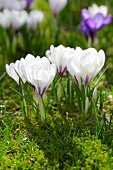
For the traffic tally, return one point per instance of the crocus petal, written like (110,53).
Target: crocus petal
(101,62)
(99,20)
(90,23)
(94,9)
(104,10)
(84,29)
(107,20)
(11,72)
(85,14)
(74,71)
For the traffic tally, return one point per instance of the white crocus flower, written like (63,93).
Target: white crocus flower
(86,64)
(34,18)
(38,72)
(43,77)
(43,74)
(25,65)
(5,18)
(59,56)
(19,18)
(94,9)
(57,5)
(13,71)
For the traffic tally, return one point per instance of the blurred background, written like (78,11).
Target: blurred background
(64,29)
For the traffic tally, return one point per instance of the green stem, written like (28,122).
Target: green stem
(24,101)
(35,98)
(59,92)
(41,108)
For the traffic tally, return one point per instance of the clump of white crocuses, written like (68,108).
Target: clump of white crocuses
(38,72)
(17,19)
(15,4)
(83,66)
(20,27)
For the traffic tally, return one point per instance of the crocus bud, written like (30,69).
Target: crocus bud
(57,6)
(34,18)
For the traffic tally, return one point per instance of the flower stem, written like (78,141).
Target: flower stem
(41,108)
(35,98)
(59,92)
(24,101)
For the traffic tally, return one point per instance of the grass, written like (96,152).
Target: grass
(63,141)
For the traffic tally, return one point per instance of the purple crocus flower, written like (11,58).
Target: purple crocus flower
(94,19)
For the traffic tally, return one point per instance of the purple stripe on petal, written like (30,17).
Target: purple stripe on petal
(55,12)
(66,71)
(39,91)
(86,81)
(76,80)
(60,71)
(43,91)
